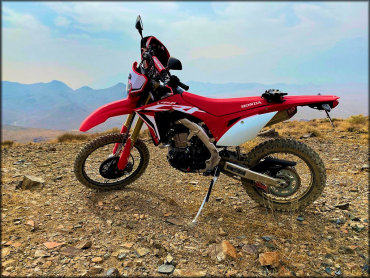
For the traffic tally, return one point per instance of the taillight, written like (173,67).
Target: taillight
(335,103)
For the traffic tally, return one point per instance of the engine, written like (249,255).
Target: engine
(187,155)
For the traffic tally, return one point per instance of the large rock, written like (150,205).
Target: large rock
(224,250)
(269,259)
(140,252)
(95,270)
(166,268)
(41,253)
(112,272)
(97,260)
(308,135)
(85,244)
(169,259)
(269,133)
(31,182)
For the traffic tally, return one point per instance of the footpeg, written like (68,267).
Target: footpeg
(163,146)
(206,198)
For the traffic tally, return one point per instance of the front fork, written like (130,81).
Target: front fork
(130,141)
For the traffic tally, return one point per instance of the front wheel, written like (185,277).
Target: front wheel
(96,168)
(304,182)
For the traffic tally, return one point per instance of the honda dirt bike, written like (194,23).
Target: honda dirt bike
(202,135)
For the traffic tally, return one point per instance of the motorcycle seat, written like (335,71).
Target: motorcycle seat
(223,106)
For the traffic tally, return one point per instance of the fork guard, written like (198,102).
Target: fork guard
(113,109)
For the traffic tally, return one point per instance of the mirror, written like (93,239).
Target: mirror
(139,25)
(174,64)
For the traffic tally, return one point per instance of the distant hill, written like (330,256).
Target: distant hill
(23,134)
(54,105)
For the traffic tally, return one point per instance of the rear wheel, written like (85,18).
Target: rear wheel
(304,182)
(96,168)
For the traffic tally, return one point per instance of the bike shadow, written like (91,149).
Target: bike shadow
(132,201)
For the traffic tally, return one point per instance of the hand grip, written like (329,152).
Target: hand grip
(182,85)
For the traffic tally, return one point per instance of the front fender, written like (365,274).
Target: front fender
(100,115)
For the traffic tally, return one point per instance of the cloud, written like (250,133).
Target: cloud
(26,22)
(215,51)
(31,53)
(61,21)
(231,41)
(96,17)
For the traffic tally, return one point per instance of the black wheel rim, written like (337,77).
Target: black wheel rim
(305,173)
(92,163)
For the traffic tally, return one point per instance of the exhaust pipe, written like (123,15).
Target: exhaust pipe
(252,175)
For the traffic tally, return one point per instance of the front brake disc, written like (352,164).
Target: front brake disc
(109,170)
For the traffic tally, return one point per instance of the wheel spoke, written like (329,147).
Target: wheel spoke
(304,181)
(97,158)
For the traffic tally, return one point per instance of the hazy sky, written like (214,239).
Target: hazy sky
(95,43)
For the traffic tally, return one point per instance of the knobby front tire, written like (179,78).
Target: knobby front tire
(99,144)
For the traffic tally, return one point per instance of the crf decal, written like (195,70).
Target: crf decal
(181,108)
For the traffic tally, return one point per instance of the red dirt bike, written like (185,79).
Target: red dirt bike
(202,135)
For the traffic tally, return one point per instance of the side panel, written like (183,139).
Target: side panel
(100,115)
(244,130)
(149,120)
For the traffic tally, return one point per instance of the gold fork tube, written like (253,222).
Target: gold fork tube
(136,131)
(129,120)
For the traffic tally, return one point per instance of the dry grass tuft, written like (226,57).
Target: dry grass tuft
(145,134)
(354,124)
(359,120)
(70,137)
(7,143)
(296,129)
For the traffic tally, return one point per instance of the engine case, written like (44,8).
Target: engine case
(187,156)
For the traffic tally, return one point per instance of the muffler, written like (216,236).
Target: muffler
(252,175)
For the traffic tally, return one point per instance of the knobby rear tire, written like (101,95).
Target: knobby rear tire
(299,149)
(86,150)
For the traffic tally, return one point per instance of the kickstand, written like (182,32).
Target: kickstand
(327,114)
(206,198)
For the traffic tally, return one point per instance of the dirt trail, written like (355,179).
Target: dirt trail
(150,217)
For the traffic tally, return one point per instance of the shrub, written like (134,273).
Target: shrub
(7,143)
(358,120)
(68,137)
(358,123)
(314,123)
(315,132)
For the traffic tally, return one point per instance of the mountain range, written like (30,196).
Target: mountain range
(55,105)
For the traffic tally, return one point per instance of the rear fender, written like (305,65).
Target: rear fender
(113,109)
(310,100)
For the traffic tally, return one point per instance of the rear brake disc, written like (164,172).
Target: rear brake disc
(292,183)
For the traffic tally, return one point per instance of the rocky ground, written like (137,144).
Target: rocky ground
(64,228)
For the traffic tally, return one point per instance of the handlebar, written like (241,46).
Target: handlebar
(163,71)
(182,85)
